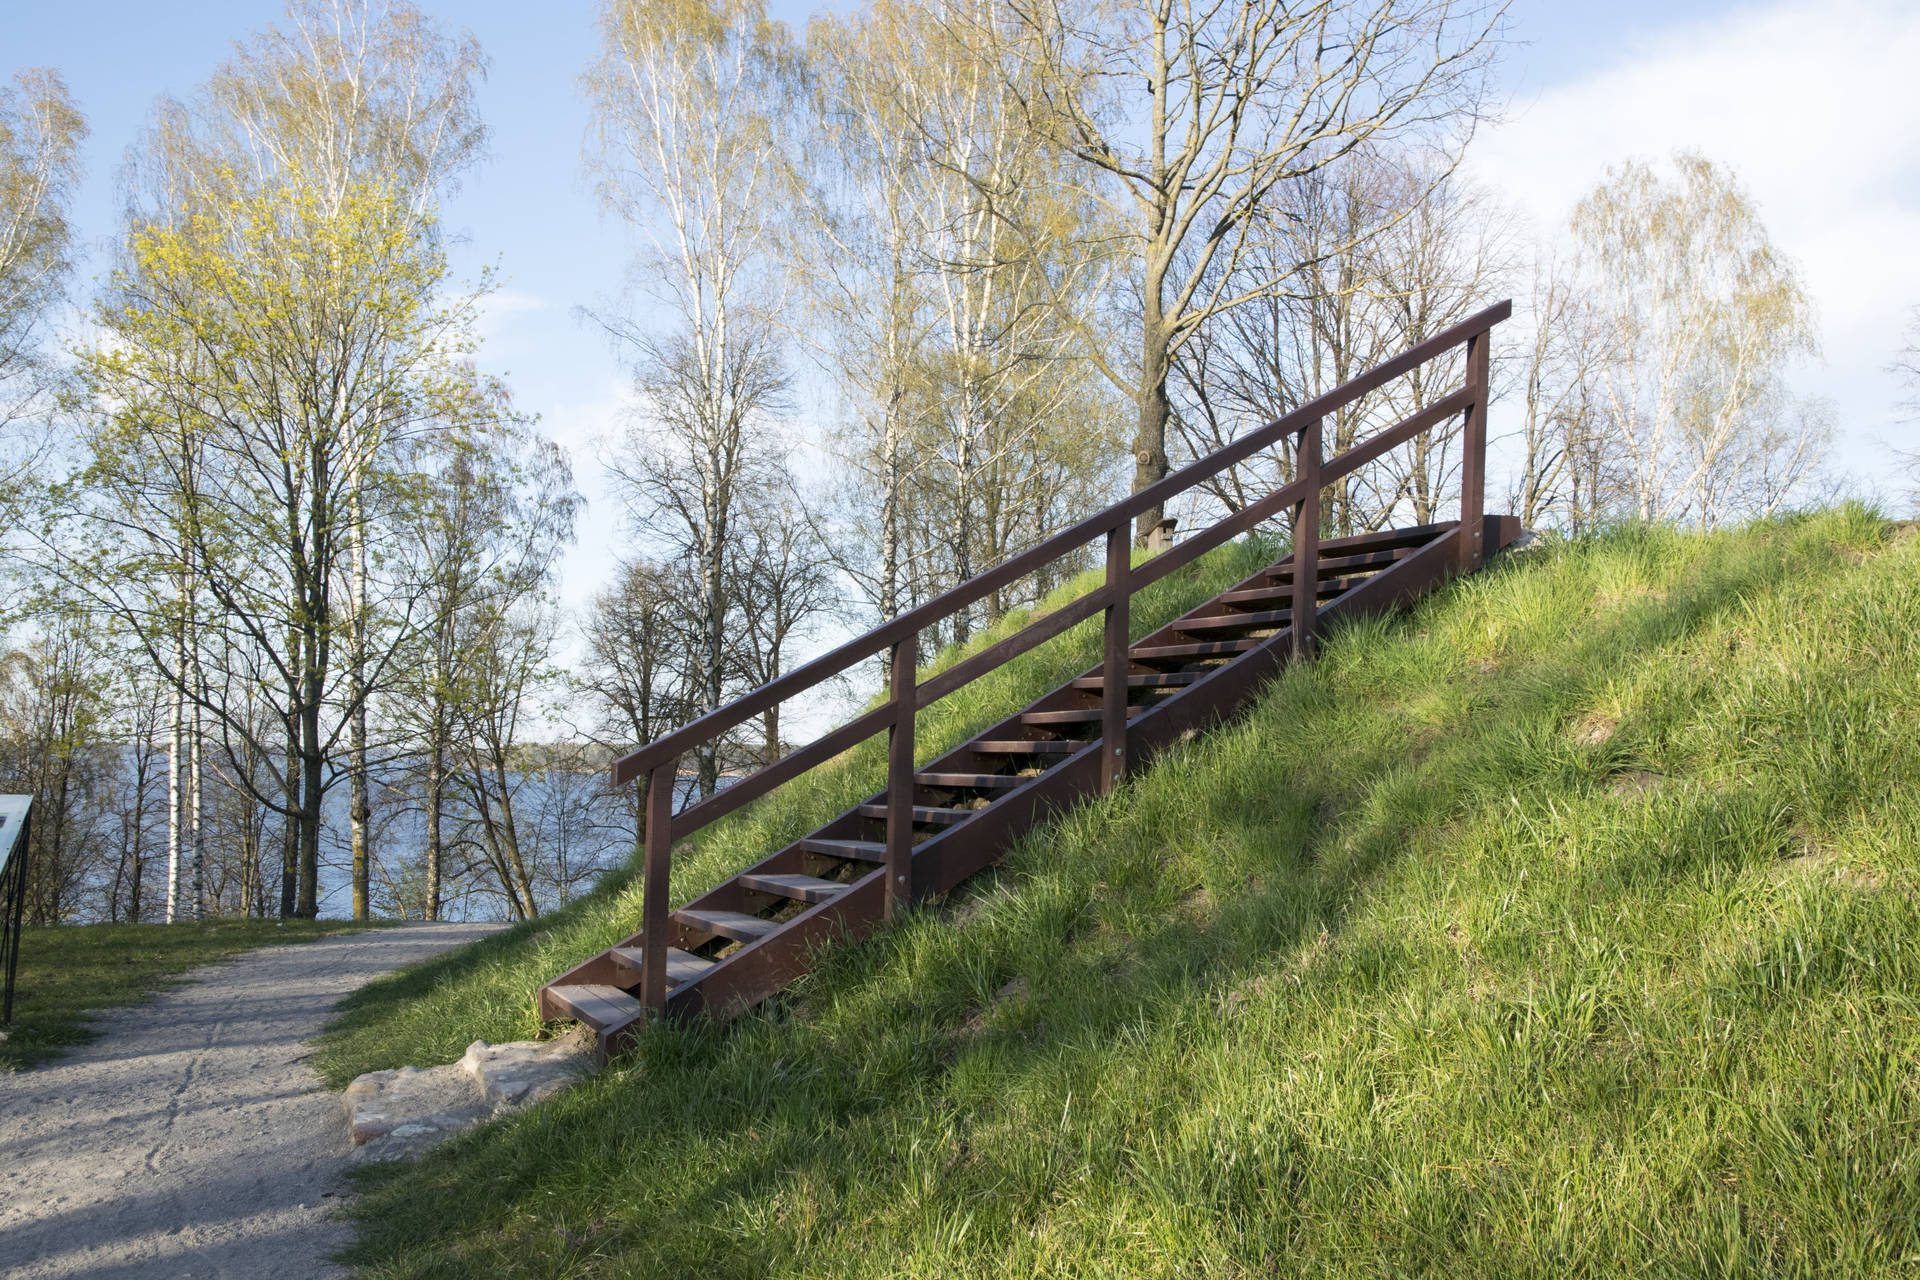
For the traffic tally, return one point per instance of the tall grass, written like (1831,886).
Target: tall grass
(1564,925)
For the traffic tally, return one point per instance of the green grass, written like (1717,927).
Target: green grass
(1563,926)
(71,971)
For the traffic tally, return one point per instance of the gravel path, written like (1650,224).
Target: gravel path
(191,1138)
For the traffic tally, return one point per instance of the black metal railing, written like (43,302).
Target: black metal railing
(16,813)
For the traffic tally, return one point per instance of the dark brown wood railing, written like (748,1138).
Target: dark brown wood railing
(658,761)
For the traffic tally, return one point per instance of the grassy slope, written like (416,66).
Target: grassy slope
(1565,926)
(432,1012)
(68,972)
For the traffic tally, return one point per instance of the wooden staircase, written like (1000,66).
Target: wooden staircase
(939,823)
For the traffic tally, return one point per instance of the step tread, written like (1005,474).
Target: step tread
(737,925)
(1265,595)
(1335,564)
(1144,680)
(601,1007)
(1235,621)
(851,850)
(1076,715)
(971,781)
(928,813)
(682,966)
(791,884)
(1200,648)
(1025,747)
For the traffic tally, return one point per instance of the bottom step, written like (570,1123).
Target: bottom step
(605,1009)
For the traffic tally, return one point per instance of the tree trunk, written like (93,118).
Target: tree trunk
(436,787)
(290,829)
(359,809)
(173,774)
(1150,439)
(194,799)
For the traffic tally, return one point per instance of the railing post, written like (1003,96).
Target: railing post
(1114,669)
(1306,543)
(1473,454)
(654,883)
(905,693)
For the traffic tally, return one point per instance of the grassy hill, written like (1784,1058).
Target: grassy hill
(1565,925)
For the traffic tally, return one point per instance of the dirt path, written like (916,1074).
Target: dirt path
(191,1138)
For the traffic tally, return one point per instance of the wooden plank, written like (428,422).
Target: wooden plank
(926,814)
(1075,715)
(606,1009)
(1329,588)
(737,925)
(1016,747)
(852,850)
(1143,680)
(682,966)
(1199,649)
(896,811)
(970,781)
(791,884)
(1235,621)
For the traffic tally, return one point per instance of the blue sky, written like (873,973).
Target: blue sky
(1814,103)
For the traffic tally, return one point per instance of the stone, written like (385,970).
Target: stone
(363,1127)
(398,1114)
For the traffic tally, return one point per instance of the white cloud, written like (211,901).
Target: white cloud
(1815,105)
(496,324)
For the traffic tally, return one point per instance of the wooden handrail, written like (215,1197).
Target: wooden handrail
(943,606)
(658,760)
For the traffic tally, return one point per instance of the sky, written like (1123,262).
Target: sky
(1813,103)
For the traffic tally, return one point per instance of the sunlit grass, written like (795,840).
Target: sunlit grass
(1564,925)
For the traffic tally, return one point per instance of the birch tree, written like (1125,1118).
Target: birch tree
(686,97)
(1700,314)
(40,134)
(1193,116)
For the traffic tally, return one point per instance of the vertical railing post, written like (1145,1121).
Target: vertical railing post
(1115,666)
(905,694)
(1473,454)
(1306,543)
(655,877)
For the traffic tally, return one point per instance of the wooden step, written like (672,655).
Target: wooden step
(1077,715)
(605,1009)
(928,814)
(971,781)
(791,885)
(1284,594)
(737,925)
(851,850)
(1019,747)
(1235,621)
(1283,572)
(1200,649)
(682,966)
(1144,680)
